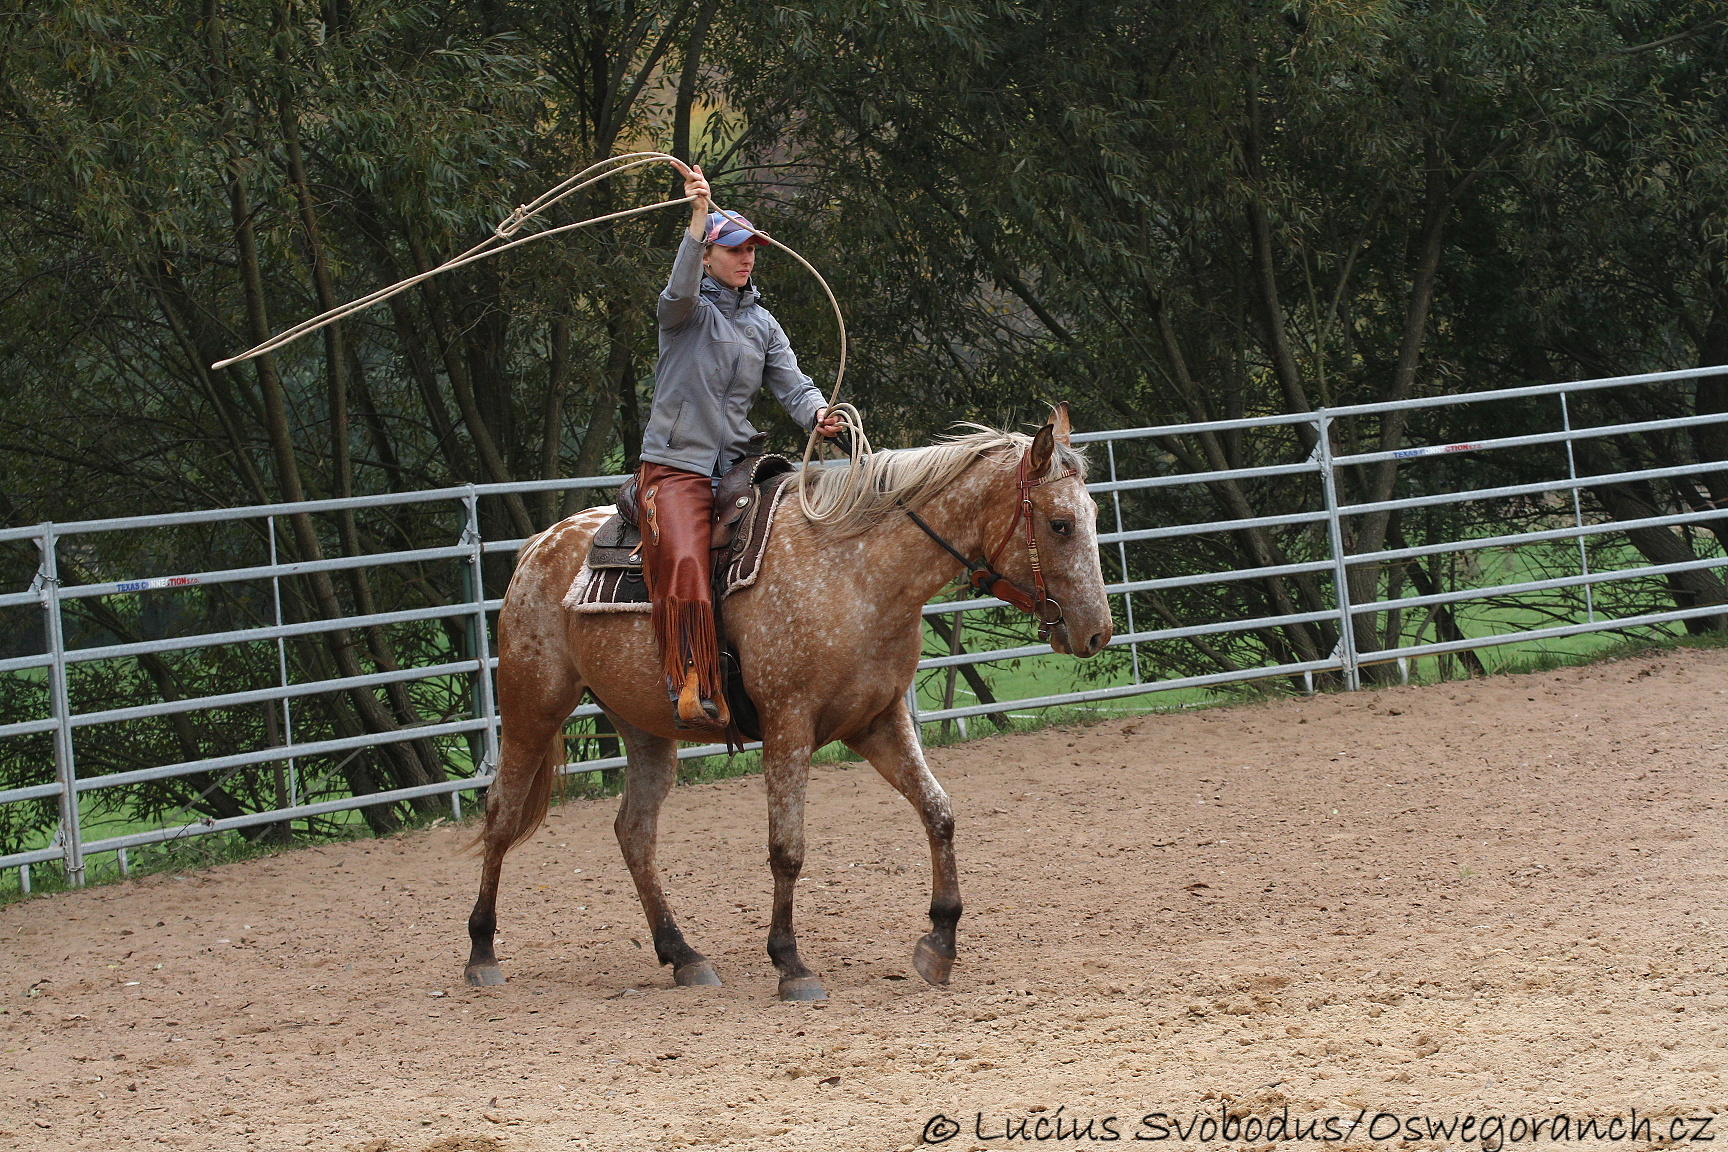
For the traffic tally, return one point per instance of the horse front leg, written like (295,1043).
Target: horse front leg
(786,771)
(891,745)
(652,771)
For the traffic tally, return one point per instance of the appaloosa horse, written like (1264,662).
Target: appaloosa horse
(829,638)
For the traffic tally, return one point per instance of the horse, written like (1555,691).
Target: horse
(829,638)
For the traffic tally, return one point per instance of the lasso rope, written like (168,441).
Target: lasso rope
(831,508)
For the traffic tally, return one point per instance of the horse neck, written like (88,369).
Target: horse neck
(972,514)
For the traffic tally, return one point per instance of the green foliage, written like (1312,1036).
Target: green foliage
(1175,212)
(1159,211)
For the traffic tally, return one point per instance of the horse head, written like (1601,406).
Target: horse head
(1053,544)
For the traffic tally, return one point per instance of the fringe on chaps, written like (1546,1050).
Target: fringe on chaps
(677,509)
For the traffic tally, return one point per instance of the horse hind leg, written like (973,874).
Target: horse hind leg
(891,745)
(653,769)
(531,751)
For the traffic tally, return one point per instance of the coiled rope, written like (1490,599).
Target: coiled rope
(833,505)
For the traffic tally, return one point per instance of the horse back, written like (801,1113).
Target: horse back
(545,568)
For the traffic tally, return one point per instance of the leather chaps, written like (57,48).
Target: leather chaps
(676,515)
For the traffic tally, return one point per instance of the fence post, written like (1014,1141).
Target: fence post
(1122,556)
(479,645)
(1340,570)
(59,700)
(293,766)
(1577,509)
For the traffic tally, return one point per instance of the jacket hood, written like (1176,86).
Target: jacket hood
(730,301)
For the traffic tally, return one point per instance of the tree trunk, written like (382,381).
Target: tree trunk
(430,767)
(1692,589)
(974,679)
(461,383)
(552,427)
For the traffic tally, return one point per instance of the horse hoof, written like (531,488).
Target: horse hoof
(484,975)
(931,964)
(695,974)
(802,988)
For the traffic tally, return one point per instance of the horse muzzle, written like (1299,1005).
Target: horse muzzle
(1063,636)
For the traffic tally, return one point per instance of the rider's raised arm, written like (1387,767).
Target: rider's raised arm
(684,287)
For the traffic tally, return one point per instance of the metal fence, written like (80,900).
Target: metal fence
(1306,473)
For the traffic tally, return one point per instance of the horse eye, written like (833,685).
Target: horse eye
(1061,527)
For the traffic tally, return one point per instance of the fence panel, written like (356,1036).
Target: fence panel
(327,687)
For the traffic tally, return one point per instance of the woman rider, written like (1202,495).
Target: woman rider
(718,347)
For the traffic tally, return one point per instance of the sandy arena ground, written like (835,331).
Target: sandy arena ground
(1499,897)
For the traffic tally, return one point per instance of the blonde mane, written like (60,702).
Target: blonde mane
(847,500)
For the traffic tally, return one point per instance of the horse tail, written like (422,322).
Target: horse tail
(537,798)
(540,789)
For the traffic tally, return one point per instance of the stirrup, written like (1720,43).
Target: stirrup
(696,711)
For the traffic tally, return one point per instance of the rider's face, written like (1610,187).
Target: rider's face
(731,266)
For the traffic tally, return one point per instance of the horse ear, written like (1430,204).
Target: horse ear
(1043,447)
(1059,422)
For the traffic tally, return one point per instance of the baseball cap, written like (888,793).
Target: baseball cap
(731,231)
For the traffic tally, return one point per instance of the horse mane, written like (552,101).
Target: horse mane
(848,500)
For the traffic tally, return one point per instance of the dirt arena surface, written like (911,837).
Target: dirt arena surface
(1503,897)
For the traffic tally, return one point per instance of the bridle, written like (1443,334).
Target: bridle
(982,575)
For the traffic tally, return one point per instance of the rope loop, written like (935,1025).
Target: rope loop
(835,505)
(501,240)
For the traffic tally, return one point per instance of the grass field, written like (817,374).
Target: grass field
(1053,675)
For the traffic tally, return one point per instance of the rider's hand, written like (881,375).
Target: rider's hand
(696,184)
(828,423)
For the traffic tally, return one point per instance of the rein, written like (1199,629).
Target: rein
(982,575)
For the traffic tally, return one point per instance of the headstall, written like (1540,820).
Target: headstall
(982,575)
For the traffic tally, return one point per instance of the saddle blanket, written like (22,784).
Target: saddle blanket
(611,582)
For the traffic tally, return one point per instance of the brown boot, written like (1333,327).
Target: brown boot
(696,712)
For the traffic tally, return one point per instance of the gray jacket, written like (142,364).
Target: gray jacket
(718,347)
